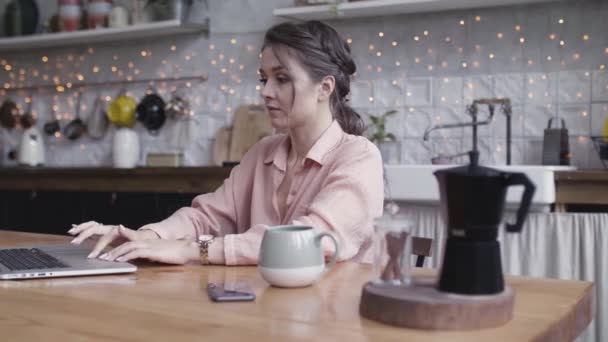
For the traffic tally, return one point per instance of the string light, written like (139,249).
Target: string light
(394,43)
(380,34)
(500,35)
(349,41)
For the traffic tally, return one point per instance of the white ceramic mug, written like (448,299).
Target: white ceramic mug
(292,256)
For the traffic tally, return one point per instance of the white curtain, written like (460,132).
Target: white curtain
(551,245)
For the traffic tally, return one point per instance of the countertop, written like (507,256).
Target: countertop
(582,187)
(141,179)
(169,303)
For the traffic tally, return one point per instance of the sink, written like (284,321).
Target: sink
(417,184)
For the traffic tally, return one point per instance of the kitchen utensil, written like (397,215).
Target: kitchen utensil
(75,128)
(27,119)
(601,146)
(52,127)
(251,123)
(8,114)
(178,106)
(21,18)
(122,111)
(31,148)
(98,121)
(221,145)
(556,150)
(472,199)
(151,111)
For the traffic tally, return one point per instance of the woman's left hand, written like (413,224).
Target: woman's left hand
(177,252)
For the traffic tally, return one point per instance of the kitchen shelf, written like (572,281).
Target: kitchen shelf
(133,32)
(372,8)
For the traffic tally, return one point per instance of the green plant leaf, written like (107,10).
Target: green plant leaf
(374,119)
(389,113)
(391,137)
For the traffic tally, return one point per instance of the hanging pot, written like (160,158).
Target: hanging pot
(76,128)
(151,111)
(98,122)
(8,114)
(122,110)
(21,18)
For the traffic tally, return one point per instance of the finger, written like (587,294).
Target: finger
(77,228)
(127,233)
(95,230)
(122,250)
(104,241)
(143,253)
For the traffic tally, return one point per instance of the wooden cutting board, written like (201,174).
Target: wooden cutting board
(221,145)
(251,123)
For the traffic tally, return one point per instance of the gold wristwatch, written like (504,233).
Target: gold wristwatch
(203,246)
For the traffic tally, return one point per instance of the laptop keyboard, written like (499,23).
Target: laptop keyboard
(18,259)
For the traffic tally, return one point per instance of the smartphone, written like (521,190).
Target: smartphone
(230,292)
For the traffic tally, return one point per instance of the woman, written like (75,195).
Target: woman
(322,173)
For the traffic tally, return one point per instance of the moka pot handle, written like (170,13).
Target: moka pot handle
(519,178)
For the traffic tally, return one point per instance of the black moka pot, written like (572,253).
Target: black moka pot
(472,202)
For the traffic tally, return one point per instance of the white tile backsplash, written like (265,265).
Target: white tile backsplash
(418,91)
(430,80)
(574,87)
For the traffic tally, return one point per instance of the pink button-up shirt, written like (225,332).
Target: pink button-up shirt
(337,188)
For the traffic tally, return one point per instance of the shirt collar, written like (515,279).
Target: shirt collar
(326,143)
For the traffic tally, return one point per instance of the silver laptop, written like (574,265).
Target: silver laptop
(56,260)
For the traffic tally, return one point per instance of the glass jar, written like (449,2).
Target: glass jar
(392,250)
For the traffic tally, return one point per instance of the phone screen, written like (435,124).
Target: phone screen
(230,292)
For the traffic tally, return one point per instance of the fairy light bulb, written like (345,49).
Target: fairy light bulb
(500,35)
(394,43)
(380,34)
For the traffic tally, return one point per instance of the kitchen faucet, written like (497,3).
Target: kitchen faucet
(472,110)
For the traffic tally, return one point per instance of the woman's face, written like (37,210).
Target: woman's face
(289,94)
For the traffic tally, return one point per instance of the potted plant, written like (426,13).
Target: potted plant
(386,142)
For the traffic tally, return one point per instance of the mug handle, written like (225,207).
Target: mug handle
(333,238)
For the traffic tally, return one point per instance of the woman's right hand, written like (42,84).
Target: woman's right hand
(109,235)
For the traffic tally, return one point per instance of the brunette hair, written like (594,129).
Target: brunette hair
(322,52)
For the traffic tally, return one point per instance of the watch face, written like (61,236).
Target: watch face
(205,238)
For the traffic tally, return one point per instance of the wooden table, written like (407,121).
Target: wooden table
(169,303)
